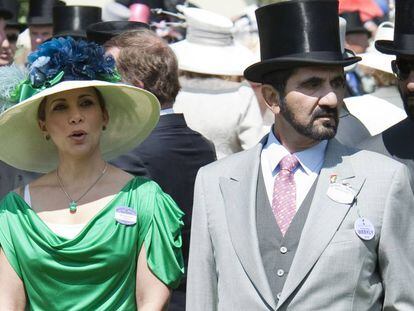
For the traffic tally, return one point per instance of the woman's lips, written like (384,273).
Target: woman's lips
(78,136)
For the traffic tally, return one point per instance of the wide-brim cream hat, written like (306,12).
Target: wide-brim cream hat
(133,113)
(209,47)
(375,59)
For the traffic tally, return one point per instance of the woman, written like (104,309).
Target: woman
(86,235)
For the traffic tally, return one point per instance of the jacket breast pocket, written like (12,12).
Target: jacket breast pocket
(344,236)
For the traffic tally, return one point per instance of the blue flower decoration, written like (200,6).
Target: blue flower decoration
(78,59)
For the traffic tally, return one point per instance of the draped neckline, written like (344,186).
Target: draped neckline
(55,240)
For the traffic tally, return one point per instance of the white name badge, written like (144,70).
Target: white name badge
(341,193)
(125,215)
(364,229)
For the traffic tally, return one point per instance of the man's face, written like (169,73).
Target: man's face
(8,47)
(2,27)
(357,42)
(404,69)
(39,34)
(310,105)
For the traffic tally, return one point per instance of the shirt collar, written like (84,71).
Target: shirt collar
(311,159)
(166,111)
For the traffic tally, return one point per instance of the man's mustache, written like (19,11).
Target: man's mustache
(325,113)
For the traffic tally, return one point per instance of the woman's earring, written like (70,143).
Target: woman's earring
(47,137)
(103,128)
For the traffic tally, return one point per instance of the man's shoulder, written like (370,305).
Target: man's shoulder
(395,141)
(234,162)
(373,163)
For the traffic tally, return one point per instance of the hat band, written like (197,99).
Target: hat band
(202,36)
(404,41)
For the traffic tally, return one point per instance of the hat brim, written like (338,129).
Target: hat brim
(257,72)
(228,60)
(377,61)
(388,47)
(18,26)
(6,14)
(133,113)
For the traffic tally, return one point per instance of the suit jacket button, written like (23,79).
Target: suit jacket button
(278,295)
(280,272)
(283,250)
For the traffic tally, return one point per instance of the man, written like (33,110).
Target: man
(12,30)
(5,14)
(173,153)
(396,141)
(40,21)
(357,40)
(301,222)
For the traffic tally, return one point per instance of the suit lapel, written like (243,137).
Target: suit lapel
(239,194)
(325,216)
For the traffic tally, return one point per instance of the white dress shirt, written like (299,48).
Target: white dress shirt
(310,164)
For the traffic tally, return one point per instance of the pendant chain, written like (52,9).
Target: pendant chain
(73,203)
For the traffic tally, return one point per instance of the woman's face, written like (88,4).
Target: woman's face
(74,120)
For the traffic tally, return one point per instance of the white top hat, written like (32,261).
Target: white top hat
(209,47)
(378,60)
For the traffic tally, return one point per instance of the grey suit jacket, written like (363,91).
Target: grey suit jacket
(333,268)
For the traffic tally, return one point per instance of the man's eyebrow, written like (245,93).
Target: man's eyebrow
(311,80)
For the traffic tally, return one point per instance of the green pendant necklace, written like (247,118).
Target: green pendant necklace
(73,205)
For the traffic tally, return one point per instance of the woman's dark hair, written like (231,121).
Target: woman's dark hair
(41,112)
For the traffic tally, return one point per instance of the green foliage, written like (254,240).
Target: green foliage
(24,9)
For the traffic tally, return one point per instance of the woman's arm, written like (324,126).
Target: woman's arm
(12,294)
(151,293)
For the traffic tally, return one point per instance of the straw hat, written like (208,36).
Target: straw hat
(133,113)
(209,47)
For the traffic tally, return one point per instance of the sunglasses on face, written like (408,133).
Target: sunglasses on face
(12,37)
(402,68)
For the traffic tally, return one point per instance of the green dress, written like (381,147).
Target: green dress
(97,269)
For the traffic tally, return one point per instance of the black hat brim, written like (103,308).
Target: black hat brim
(6,14)
(39,20)
(388,47)
(81,34)
(258,71)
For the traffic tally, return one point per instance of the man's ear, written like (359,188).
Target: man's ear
(271,98)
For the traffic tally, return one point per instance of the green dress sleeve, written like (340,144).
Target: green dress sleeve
(163,240)
(7,216)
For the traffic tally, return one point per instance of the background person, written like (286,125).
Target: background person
(213,98)
(396,141)
(102,239)
(173,153)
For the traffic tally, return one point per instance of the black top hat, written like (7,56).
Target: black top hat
(14,7)
(298,33)
(354,23)
(5,11)
(104,31)
(403,43)
(73,20)
(40,11)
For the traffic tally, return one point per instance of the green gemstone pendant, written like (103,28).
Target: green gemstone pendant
(73,207)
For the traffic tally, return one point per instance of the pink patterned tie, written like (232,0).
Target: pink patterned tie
(284,193)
